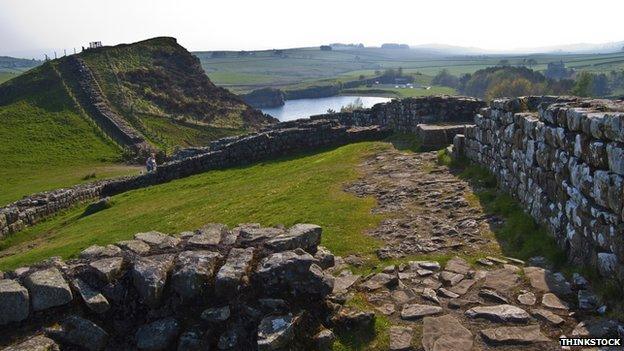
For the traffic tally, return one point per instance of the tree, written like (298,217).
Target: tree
(600,85)
(583,85)
(504,62)
(511,88)
(357,104)
(444,78)
(531,62)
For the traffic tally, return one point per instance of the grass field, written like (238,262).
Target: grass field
(292,68)
(47,143)
(400,92)
(306,188)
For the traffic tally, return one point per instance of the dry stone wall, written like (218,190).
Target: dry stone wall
(563,158)
(246,288)
(283,139)
(405,115)
(90,96)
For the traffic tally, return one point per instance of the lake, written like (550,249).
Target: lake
(303,108)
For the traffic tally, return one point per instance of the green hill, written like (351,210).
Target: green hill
(50,138)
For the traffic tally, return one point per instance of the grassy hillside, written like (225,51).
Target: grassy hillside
(47,142)
(161,89)
(305,188)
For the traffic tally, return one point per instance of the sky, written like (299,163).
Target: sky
(30,28)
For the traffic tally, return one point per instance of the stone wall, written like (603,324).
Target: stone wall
(563,158)
(248,288)
(283,139)
(404,115)
(88,93)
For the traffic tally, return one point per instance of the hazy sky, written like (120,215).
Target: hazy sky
(31,27)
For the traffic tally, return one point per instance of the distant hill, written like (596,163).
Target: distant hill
(155,87)
(11,67)
(53,119)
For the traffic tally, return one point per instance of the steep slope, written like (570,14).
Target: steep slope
(162,90)
(61,122)
(46,142)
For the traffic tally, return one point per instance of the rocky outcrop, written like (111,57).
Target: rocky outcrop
(253,295)
(266,97)
(563,158)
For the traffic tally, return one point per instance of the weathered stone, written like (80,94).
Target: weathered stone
(380,280)
(514,335)
(157,239)
(193,272)
(400,338)
(417,311)
(527,298)
(37,343)
(208,236)
(324,257)
(447,293)
(428,265)
(457,265)
(546,281)
(216,314)
(100,251)
(48,289)
(462,287)
(276,332)
(304,236)
(445,333)
(430,294)
(353,320)
(158,335)
(344,281)
(450,278)
(234,337)
(579,281)
(324,340)
(547,316)
(108,269)
(587,300)
(149,275)
(80,332)
(294,273)
(251,236)
(386,308)
(14,302)
(502,280)
(607,262)
(493,296)
(551,300)
(499,313)
(233,275)
(485,262)
(136,246)
(94,300)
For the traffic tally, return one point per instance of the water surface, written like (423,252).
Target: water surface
(303,108)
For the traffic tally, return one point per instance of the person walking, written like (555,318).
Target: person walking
(151,163)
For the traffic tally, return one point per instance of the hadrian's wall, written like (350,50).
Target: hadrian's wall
(88,93)
(563,158)
(256,289)
(405,115)
(281,140)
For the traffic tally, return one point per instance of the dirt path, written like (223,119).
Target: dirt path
(496,304)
